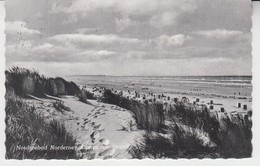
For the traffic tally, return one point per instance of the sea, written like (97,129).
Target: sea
(215,85)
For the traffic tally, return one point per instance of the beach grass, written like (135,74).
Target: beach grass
(26,128)
(229,137)
(59,106)
(147,115)
(179,143)
(25,81)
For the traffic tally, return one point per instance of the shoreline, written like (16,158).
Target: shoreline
(228,102)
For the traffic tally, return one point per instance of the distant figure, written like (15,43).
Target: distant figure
(238,93)
(235,93)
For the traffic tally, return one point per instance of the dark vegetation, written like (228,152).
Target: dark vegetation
(147,115)
(180,144)
(230,136)
(24,127)
(59,106)
(24,81)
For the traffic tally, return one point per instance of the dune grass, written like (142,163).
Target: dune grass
(25,81)
(147,115)
(179,143)
(59,106)
(25,127)
(90,95)
(234,138)
(231,136)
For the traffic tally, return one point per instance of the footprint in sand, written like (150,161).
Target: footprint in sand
(96,127)
(101,130)
(104,141)
(97,113)
(95,109)
(85,128)
(107,152)
(94,136)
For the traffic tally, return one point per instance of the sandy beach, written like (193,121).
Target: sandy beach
(224,94)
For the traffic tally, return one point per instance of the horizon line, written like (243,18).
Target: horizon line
(160,75)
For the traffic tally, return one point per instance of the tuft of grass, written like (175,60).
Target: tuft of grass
(59,106)
(231,137)
(179,143)
(90,95)
(234,138)
(25,81)
(83,97)
(26,128)
(201,118)
(148,116)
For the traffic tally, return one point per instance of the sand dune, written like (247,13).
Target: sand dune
(99,127)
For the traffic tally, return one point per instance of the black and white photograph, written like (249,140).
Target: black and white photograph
(128,79)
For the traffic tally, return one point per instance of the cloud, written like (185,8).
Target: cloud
(124,23)
(164,41)
(158,13)
(30,51)
(87,30)
(94,55)
(163,19)
(129,32)
(82,40)
(222,38)
(125,7)
(19,28)
(133,55)
(219,33)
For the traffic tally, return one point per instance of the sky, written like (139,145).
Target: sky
(130,37)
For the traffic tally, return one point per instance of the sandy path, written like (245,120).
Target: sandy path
(99,127)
